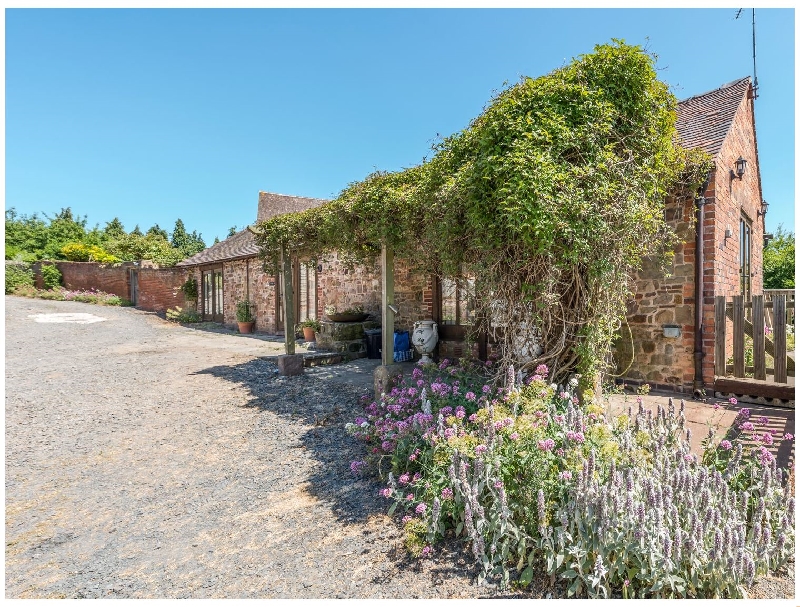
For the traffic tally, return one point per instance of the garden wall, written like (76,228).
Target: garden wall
(84,275)
(159,288)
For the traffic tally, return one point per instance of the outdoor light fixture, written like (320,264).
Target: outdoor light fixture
(394,309)
(764,207)
(741,164)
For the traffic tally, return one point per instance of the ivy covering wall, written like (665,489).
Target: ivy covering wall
(551,198)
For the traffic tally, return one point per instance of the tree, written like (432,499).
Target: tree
(231,231)
(156,230)
(131,247)
(136,230)
(114,229)
(779,261)
(179,236)
(63,229)
(216,239)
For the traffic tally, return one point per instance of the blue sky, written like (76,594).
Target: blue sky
(151,115)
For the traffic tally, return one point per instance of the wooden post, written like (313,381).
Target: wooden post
(779,337)
(738,336)
(288,300)
(720,325)
(387,299)
(759,358)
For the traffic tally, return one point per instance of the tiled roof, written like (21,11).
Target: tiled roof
(270,205)
(704,120)
(241,244)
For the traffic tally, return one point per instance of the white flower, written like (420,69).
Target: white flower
(553,386)
(365,424)
(573,382)
(349,428)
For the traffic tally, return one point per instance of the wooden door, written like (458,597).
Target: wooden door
(212,295)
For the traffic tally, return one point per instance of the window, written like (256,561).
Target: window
(458,301)
(745,236)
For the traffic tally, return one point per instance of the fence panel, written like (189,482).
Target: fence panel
(759,354)
(779,307)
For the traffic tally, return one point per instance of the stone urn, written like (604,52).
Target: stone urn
(424,339)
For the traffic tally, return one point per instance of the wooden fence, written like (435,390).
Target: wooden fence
(749,320)
(769,320)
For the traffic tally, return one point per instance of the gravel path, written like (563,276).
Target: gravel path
(148,460)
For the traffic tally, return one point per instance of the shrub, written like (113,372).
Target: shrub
(181,315)
(78,251)
(189,289)
(51,276)
(244,311)
(532,478)
(18,275)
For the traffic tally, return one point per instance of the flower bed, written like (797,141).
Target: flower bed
(533,479)
(83,295)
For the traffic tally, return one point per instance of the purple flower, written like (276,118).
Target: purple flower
(763,420)
(547,444)
(733,401)
(726,444)
(426,551)
(444,364)
(626,583)
(486,389)
(559,419)
(421,508)
(420,383)
(447,493)
(460,412)
(566,475)
(449,433)
(788,436)
(417,476)
(387,492)
(404,478)
(473,418)
(357,466)
(767,438)
(541,370)
(748,426)
(514,436)
(470,396)
(716,406)
(480,449)
(410,497)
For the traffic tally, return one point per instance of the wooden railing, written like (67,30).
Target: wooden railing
(754,327)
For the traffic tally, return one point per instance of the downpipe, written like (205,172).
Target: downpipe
(699,285)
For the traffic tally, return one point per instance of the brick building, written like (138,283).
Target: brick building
(662,347)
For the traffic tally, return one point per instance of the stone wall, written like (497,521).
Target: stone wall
(648,356)
(245,279)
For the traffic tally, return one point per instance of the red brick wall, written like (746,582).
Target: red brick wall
(159,288)
(84,275)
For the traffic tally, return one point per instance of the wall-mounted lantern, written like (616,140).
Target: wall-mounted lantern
(741,165)
(764,208)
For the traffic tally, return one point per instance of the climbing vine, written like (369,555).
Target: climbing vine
(551,198)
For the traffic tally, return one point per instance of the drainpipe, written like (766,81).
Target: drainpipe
(700,202)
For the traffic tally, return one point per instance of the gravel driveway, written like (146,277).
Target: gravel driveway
(146,459)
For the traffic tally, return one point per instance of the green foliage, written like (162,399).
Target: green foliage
(136,230)
(150,246)
(231,231)
(78,251)
(179,314)
(779,261)
(158,231)
(311,323)
(187,244)
(244,311)
(114,229)
(551,198)
(189,288)
(51,276)
(18,275)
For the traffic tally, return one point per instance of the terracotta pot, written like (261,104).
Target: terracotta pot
(309,334)
(246,327)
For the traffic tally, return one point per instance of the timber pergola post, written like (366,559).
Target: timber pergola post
(387,370)
(289,363)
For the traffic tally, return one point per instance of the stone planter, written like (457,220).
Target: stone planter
(424,339)
(246,327)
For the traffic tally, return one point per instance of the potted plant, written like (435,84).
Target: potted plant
(189,289)
(309,326)
(244,316)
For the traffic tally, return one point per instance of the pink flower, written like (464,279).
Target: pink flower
(460,412)
(404,478)
(406,518)
(547,444)
(733,401)
(486,389)
(726,444)
(420,509)
(566,475)
(788,436)
(514,436)
(763,420)
(541,370)
(470,396)
(447,493)
(748,426)
(767,438)
(575,400)
(410,497)
(449,433)
(420,383)
(480,449)
(426,551)
(417,476)
(473,418)
(387,492)
(498,484)
(716,406)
